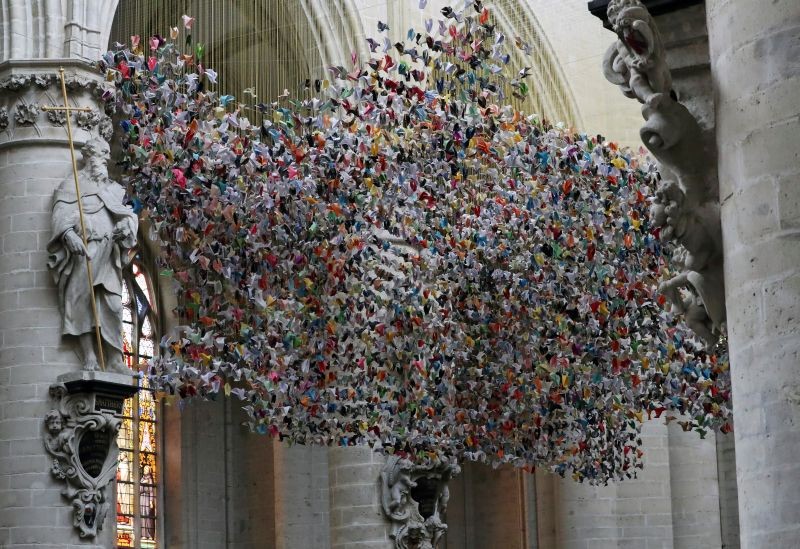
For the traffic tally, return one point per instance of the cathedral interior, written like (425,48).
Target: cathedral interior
(104,453)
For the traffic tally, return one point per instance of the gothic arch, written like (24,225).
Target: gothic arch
(272,46)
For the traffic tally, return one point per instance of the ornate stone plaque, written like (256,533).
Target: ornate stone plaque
(93,451)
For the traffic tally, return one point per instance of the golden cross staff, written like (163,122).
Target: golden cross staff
(68,110)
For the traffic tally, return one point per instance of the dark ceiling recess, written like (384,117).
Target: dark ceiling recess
(657,7)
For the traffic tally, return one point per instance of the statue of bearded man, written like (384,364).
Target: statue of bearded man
(111,234)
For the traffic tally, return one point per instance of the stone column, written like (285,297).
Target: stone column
(301,496)
(356,518)
(34,159)
(755,52)
(630,513)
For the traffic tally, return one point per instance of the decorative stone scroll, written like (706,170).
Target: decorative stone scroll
(685,206)
(414,498)
(81,438)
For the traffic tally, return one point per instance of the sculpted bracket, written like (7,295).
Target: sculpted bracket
(414,498)
(80,437)
(685,207)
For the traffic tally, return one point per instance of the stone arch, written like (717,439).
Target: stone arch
(55,29)
(272,46)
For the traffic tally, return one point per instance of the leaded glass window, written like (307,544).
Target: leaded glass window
(138,472)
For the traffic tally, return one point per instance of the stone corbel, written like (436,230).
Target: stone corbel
(685,207)
(414,498)
(81,438)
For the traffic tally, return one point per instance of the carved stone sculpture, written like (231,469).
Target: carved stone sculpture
(80,437)
(415,499)
(685,206)
(636,62)
(111,234)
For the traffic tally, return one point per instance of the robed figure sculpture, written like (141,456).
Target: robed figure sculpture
(110,236)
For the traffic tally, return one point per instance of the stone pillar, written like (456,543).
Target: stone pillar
(755,52)
(585,516)
(695,489)
(356,518)
(301,496)
(34,159)
(632,513)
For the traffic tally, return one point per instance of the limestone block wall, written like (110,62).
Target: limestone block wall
(672,504)
(755,52)
(728,496)
(695,489)
(356,518)
(302,516)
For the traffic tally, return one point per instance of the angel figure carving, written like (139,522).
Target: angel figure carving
(696,232)
(636,62)
(111,234)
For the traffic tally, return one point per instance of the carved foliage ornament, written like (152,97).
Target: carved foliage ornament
(685,207)
(414,498)
(81,440)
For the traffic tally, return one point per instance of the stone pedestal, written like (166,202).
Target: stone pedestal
(755,53)
(81,443)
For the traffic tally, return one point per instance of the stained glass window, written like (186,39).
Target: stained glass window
(137,475)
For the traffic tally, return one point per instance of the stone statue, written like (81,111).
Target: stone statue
(111,234)
(685,205)
(636,62)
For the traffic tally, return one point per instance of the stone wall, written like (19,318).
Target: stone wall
(672,504)
(488,509)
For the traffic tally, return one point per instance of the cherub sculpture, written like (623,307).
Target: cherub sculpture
(636,62)
(698,259)
(56,437)
(398,483)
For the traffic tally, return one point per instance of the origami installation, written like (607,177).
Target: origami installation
(685,207)
(401,259)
